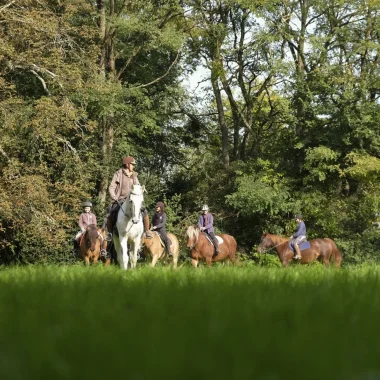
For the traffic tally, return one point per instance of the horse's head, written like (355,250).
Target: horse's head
(91,237)
(135,202)
(265,242)
(192,234)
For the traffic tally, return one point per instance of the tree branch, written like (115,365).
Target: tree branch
(162,76)
(7,5)
(42,82)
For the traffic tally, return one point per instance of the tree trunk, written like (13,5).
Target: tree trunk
(221,117)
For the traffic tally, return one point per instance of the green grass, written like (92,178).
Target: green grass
(229,323)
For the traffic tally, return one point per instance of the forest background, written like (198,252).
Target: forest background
(285,119)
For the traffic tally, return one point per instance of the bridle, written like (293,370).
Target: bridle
(129,199)
(270,248)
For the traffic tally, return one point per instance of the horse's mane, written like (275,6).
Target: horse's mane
(193,230)
(92,229)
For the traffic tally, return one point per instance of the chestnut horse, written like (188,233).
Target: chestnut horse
(90,245)
(153,249)
(320,249)
(202,249)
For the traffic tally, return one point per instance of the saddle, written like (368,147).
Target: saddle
(161,241)
(304,245)
(220,240)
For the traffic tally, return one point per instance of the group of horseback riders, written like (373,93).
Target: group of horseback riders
(119,190)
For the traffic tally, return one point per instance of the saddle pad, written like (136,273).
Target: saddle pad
(304,245)
(220,240)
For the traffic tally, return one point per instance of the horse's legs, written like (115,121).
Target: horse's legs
(123,257)
(209,261)
(175,260)
(87,260)
(285,263)
(154,260)
(326,260)
(194,262)
(134,248)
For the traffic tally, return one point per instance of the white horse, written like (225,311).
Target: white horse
(130,227)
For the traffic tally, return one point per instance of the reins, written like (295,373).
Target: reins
(266,250)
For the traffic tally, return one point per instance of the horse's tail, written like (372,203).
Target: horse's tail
(336,254)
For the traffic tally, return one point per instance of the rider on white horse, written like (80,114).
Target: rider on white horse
(130,228)
(119,189)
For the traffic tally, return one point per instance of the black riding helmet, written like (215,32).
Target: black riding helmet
(160,204)
(87,204)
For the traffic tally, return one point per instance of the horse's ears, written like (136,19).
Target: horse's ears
(143,189)
(186,225)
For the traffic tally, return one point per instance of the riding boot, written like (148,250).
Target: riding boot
(109,228)
(148,233)
(216,243)
(103,251)
(297,249)
(76,248)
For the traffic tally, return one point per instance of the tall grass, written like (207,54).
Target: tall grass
(230,323)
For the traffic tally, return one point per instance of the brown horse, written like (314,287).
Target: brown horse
(202,249)
(154,250)
(320,249)
(90,245)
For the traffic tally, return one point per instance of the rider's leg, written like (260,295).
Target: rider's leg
(109,227)
(147,231)
(103,245)
(76,243)
(296,242)
(216,243)
(297,249)
(165,239)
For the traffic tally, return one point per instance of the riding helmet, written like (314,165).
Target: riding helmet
(160,204)
(129,160)
(298,216)
(204,208)
(87,204)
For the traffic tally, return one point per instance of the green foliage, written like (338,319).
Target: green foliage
(298,108)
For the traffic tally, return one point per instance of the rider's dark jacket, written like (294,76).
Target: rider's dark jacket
(301,230)
(159,221)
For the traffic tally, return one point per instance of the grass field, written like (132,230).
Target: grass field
(222,323)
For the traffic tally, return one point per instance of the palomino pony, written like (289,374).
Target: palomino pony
(155,250)
(321,249)
(202,249)
(130,227)
(90,245)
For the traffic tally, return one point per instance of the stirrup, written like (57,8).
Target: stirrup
(108,236)
(103,253)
